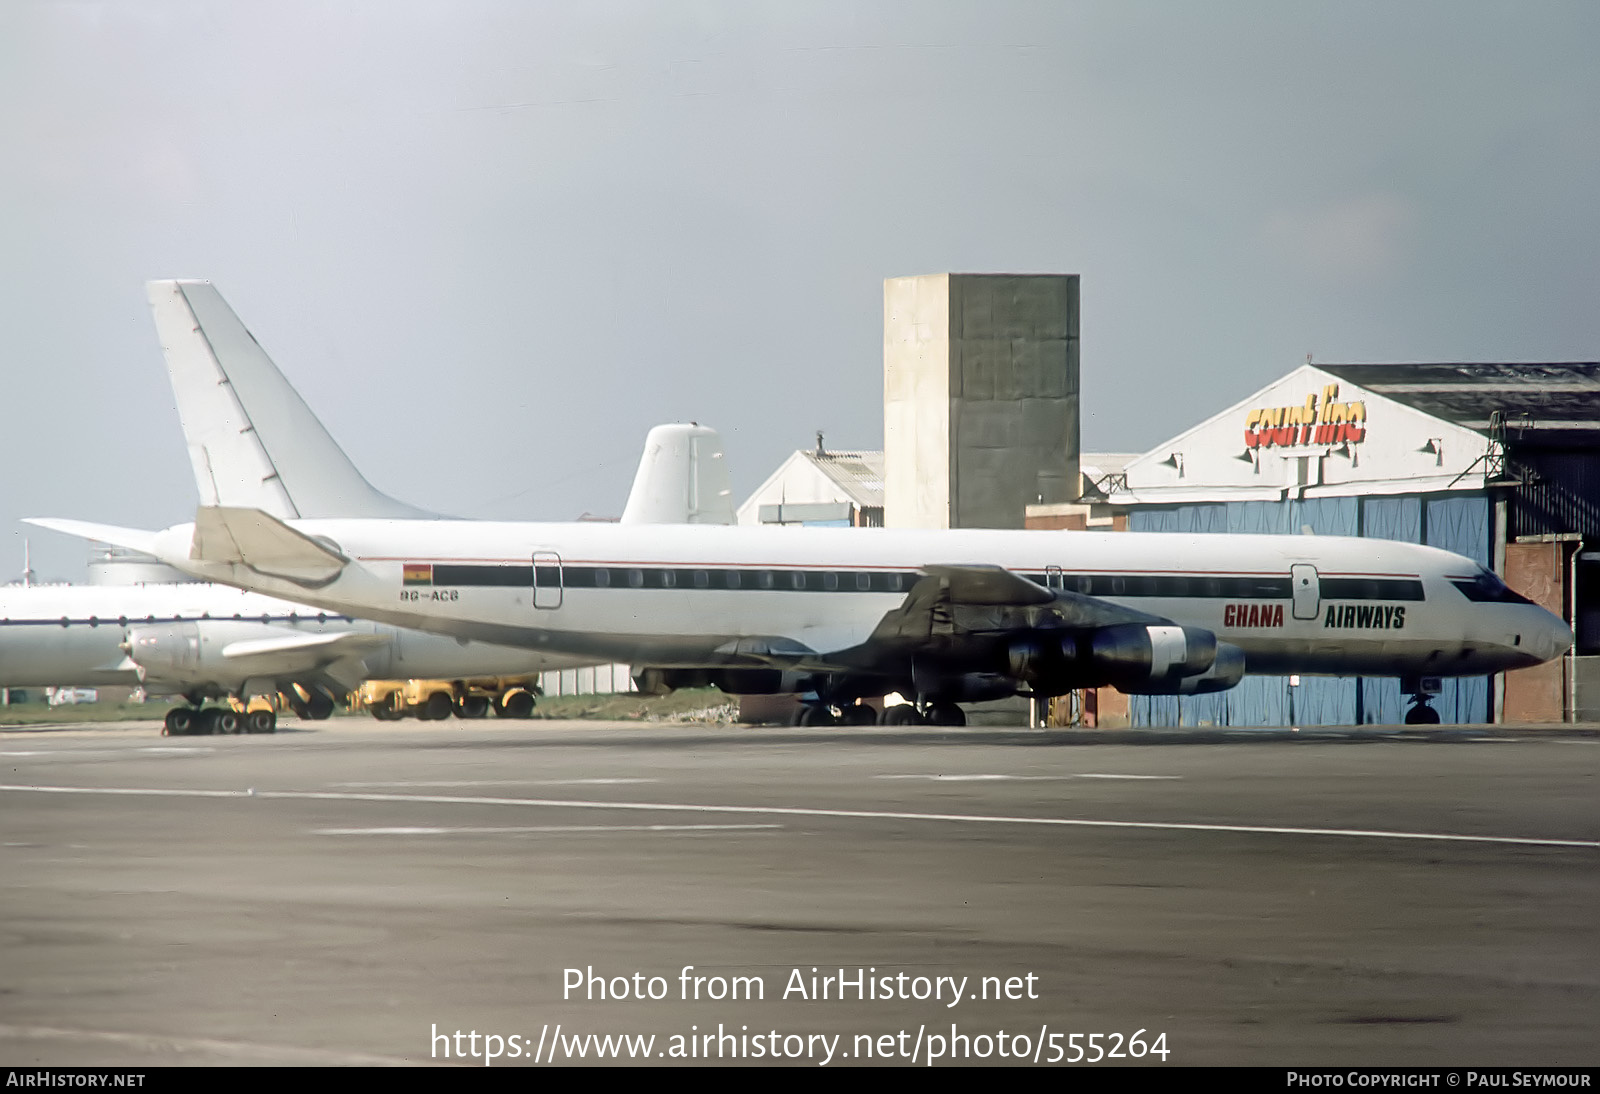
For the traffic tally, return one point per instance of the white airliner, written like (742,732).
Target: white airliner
(941,616)
(252,441)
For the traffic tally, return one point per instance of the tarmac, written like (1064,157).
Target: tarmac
(350,892)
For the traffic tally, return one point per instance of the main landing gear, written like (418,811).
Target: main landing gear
(193,721)
(860,714)
(820,714)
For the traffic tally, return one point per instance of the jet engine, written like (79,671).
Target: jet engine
(1226,670)
(1134,653)
(165,653)
(1136,658)
(185,656)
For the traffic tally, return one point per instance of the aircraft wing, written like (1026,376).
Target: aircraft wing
(330,646)
(335,656)
(265,544)
(968,619)
(952,601)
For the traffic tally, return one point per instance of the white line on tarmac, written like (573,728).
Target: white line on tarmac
(795,811)
(155,1042)
(1020,778)
(557,828)
(496,782)
(102,751)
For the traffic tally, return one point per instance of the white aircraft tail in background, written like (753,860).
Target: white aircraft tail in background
(682,479)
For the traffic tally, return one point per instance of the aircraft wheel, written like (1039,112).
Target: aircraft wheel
(319,706)
(383,712)
(436,707)
(901,714)
(205,721)
(179,722)
(473,706)
(1422,715)
(817,716)
(946,714)
(858,714)
(261,721)
(519,704)
(227,721)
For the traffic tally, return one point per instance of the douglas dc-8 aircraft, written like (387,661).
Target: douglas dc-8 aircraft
(942,617)
(252,441)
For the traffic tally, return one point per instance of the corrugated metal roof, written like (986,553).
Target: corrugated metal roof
(1542,402)
(858,474)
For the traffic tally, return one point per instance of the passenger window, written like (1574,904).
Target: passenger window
(702,579)
(830,581)
(602,578)
(636,578)
(731,578)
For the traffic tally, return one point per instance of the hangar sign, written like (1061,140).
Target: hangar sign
(1322,420)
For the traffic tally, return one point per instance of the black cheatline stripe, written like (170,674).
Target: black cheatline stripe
(1169,586)
(495,576)
(893,581)
(1370,588)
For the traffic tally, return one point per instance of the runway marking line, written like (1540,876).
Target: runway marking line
(155,1042)
(496,782)
(797,811)
(542,828)
(1020,778)
(163,749)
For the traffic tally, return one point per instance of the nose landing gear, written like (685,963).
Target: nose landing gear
(1421,714)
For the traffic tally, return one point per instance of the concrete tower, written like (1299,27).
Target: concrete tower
(980,397)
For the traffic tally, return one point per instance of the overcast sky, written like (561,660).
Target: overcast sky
(494,242)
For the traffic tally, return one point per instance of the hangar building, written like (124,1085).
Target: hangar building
(1497,462)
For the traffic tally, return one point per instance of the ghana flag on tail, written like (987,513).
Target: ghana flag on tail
(417,573)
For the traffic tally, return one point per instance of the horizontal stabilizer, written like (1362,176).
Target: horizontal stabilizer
(265,544)
(132,538)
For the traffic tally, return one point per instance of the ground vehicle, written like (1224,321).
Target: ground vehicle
(430,700)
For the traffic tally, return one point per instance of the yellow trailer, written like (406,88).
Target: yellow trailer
(430,700)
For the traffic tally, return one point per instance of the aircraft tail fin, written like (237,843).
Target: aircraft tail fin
(253,442)
(682,479)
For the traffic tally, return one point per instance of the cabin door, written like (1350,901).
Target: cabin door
(1307,590)
(546,580)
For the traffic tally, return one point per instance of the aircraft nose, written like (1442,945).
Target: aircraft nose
(1553,638)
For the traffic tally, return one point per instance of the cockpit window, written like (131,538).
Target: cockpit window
(1485,587)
